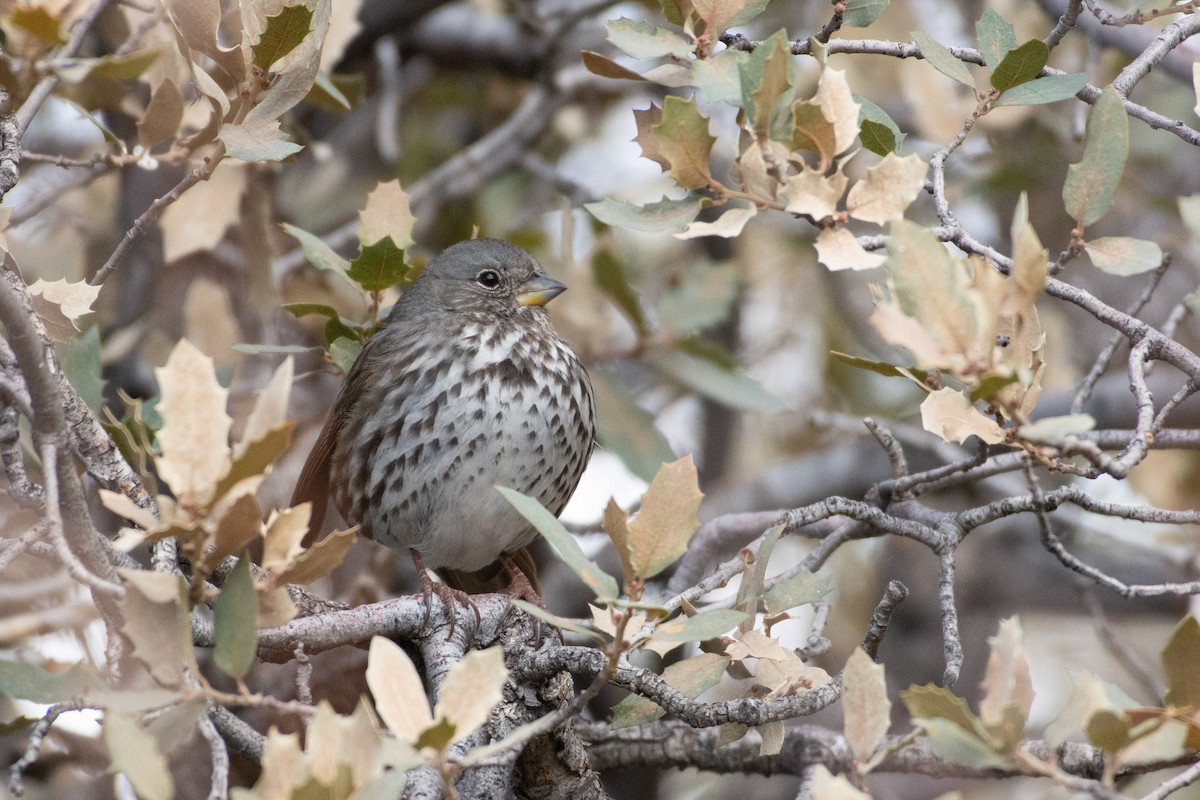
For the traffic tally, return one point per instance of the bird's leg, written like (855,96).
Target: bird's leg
(519,585)
(448,594)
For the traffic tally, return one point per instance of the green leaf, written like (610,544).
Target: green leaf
(767,87)
(641,39)
(30,682)
(600,582)
(610,277)
(605,67)
(753,578)
(1124,255)
(1091,185)
(234,616)
(861,13)
(685,143)
(877,137)
(1189,212)
(951,743)
(702,626)
(80,360)
(996,38)
(1108,730)
(378,265)
(326,93)
(301,310)
(941,59)
(729,387)
(870,111)
(749,9)
(273,349)
(1180,658)
(559,622)
(134,753)
(938,702)
(991,384)
(720,77)
(665,216)
(1049,89)
(880,367)
(799,589)
(703,298)
(1021,65)
(692,676)
(626,429)
(812,130)
(319,254)
(284,33)
(344,353)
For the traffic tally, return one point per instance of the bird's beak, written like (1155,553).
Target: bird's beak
(539,290)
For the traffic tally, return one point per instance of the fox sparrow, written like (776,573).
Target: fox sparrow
(466,386)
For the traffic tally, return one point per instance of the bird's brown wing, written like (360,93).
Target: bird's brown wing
(313,484)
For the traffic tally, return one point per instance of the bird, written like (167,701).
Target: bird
(465,386)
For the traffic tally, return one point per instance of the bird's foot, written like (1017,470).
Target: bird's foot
(450,596)
(519,586)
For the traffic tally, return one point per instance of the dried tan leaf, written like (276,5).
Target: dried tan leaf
(838,106)
(270,407)
(396,687)
(660,532)
(1007,682)
(837,249)
(198,220)
(772,734)
(125,508)
(865,704)
(285,530)
(729,224)
(195,432)
(209,322)
(889,188)
(320,559)
(827,786)
(275,607)
(471,691)
(815,194)
(61,303)
(949,414)
(157,624)
(387,213)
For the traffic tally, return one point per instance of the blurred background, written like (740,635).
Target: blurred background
(486,114)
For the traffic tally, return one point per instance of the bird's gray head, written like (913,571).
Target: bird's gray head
(486,276)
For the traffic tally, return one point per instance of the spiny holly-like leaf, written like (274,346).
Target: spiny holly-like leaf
(813,131)
(1048,89)
(865,704)
(837,249)
(839,107)
(387,214)
(61,303)
(728,225)
(195,431)
(1124,255)
(257,140)
(659,534)
(685,143)
(941,59)
(1021,65)
(996,38)
(691,676)
(38,21)
(1091,185)
(378,265)
(320,559)
(284,33)
(720,15)
(1179,658)
(665,216)
(600,582)
(234,616)
(938,702)
(889,188)
(948,413)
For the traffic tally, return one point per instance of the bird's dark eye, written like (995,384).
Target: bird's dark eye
(489,278)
